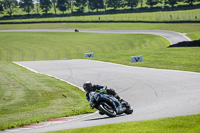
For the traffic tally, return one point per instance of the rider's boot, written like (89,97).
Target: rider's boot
(119,110)
(118,98)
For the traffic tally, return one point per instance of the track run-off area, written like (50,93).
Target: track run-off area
(153,93)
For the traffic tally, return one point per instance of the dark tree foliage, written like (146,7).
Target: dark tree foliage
(1,6)
(26,5)
(190,2)
(132,3)
(10,6)
(114,3)
(171,2)
(81,4)
(63,5)
(54,3)
(96,4)
(37,2)
(141,3)
(71,5)
(45,5)
(151,3)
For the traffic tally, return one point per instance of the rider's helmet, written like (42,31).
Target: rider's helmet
(87,86)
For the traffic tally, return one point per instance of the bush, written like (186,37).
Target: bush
(195,43)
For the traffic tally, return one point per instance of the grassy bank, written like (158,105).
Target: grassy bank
(158,16)
(117,48)
(181,124)
(27,97)
(192,29)
(188,15)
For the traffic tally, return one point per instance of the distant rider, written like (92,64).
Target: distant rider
(88,87)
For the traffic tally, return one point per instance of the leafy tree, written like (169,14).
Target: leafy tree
(132,3)
(96,4)
(105,4)
(45,5)
(54,5)
(1,6)
(190,2)
(10,6)
(165,2)
(81,4)
(26,5)
(151,3)
(171,2)
(141,3)
(71,5)
(63,5)
(37,2)
(114,3)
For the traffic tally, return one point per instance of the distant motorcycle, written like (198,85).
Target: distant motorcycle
(107,104)
(76,30)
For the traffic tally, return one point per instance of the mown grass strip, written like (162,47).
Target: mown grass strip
(181,124)
(117,48)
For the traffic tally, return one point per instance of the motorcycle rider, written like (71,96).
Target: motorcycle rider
(88,87)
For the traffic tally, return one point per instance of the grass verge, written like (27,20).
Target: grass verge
(56,46)
(181,124)
(27,97)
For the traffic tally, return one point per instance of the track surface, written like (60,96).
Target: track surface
(173,37)
(153,93)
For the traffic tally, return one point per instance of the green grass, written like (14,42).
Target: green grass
(27,97)
(182,15)
(40,97)
(117,48)
(19,11)
(192,29)
(181,124)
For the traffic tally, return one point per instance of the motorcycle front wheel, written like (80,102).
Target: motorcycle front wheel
(128,110)
(106,109)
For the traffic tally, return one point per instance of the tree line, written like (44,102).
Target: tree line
(63,5)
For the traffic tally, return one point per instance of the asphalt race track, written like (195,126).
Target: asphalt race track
(153,93)
(171,36)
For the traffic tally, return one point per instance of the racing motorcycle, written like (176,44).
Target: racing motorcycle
(107,104)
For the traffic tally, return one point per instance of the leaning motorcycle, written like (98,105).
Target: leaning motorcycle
(107,104)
